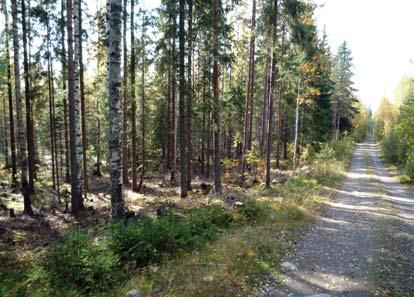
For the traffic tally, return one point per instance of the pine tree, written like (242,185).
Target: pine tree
(19,112)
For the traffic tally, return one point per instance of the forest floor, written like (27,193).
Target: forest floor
(362,244)
(358,244)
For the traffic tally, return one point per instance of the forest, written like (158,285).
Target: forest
(174,151)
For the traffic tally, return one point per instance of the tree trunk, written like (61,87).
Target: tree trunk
(272,89)
(269,129)
(19,112)
(141,181)
(181,103)
(189,94)
(10,99)
(29,120)
(133,104)
(65,103)
(51,119)
(74,123)
(114,35)
(248,116)
(216,102)
(83,110)
(173,117)
(295,146)
(125,103)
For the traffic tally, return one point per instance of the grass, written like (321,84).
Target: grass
(231,266)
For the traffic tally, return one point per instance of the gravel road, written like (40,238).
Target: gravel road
(362,245)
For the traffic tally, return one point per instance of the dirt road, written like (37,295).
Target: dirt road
(363,244)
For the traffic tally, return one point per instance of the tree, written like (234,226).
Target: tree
(10,96)
(74,102)
(343,98)
(143,66)
(133,103)
(29,119)
(248,114)
(19,111)
(181,102)
(82,107)
(113,42)
(272,87)
(189,93)
(125,103)
(215,8)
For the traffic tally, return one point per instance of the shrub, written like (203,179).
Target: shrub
(78,261)
(254,211)
(151,240)
(409,164)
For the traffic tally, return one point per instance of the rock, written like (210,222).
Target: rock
(288,267)
(133,293)
(320,295)
(280,180)
(208,279)
(232,197)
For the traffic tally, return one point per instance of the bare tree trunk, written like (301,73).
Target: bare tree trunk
(295,147)
(173,118)
(10,99)
(51,119)
(83,110)
(216,102)
(29,120)
(181,103)
(113,40)
(19,112)
(141,180)
(269,129)
(74,125)
(125,103)
(65,103)
(189,95)
(133,104)
(248,116)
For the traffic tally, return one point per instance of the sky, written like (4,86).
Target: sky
(380,36)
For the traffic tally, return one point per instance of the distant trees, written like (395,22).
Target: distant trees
(343,98)
(394,127)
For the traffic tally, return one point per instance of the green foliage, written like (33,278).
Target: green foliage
(254,210)
(393,127)
(152,240)
(79,261)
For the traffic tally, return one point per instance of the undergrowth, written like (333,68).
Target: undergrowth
(204,251)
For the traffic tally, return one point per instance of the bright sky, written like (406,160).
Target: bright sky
(380,35)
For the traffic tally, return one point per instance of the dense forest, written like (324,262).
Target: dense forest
(112,114)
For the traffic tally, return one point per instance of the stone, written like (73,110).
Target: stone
(320,295)
(288,267)
(208,279)
(133,293)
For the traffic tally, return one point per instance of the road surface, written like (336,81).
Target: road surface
(363,244)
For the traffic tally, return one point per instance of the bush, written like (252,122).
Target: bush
(409,164)
(77,261)
(254,211)
(151,240)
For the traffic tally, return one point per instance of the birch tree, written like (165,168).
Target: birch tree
(113,40)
